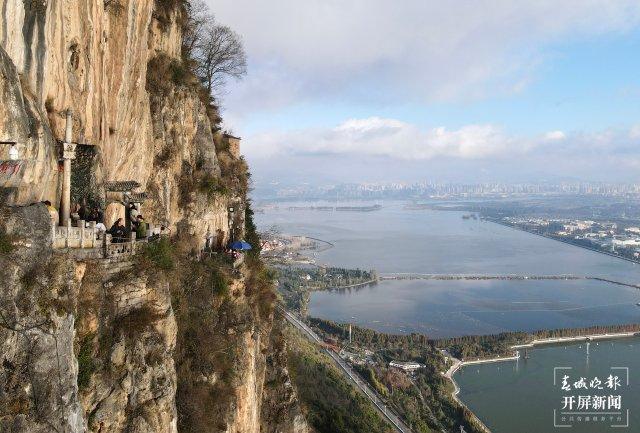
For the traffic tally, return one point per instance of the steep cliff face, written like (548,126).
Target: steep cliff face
(103,345)
(23,122)
(91,57)
(280,412)
(38,390)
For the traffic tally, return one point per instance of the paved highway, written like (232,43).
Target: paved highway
(351,375)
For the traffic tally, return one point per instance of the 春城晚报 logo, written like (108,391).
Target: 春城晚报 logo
(592,399)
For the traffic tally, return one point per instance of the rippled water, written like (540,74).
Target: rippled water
(395,240)
(520,397)
(509,397)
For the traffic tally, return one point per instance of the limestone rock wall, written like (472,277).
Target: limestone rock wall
(38,388)
(281,412)
(183,142)
(129,329)
(82,349)
(91,56)
(35,177)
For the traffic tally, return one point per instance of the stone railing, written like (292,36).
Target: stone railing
(76,237)
(89,242)
(127,247)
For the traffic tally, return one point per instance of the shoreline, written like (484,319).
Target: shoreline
(557,340)
(456,390)
(595,250)
(537,342)
(458,364)
(350,286)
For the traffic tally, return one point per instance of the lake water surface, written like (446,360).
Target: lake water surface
(395,240)
(510,397)
(520,397)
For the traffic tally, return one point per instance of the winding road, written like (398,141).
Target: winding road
(348,372)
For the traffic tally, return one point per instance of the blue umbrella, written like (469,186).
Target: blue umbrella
(240,245)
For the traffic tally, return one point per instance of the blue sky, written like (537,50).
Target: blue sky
(421,84)
(584,85)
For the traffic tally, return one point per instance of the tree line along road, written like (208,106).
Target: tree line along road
(348,372)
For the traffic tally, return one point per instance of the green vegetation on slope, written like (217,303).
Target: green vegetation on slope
(251,232)
(488,346)
(295,283)
(423,399)
(332,404)
(86,363)
(6,243)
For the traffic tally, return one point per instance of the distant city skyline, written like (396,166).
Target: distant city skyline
(427,189)
(473,91)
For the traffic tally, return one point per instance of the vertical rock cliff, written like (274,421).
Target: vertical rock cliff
(155,340)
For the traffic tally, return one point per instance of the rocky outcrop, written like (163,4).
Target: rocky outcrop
(280,412)
(91,56)
(95,345)
(125,345)
(38,386)
(35,177)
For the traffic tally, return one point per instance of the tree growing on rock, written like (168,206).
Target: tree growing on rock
(215,51)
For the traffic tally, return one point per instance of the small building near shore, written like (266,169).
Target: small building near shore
(406,366)
(234,144)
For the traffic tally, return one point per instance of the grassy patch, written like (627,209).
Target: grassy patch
(210,276)
(205,314)
(333,405)
(211,186)
(136,321)
(370,376)
(261,286)
(6,243)
(165,73)
(86,362)
(159,254)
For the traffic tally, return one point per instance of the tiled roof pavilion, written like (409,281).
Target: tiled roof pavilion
(121,185)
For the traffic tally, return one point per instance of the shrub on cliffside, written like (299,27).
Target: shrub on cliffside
(86,363)
(211,186)
(165,73)
(159,254)
(235,174)
(251,232)
(6,243)
(165,10)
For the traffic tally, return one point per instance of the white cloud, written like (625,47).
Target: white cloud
(392,138)
(401,141)
(367,53)
(421,49)
(555,135)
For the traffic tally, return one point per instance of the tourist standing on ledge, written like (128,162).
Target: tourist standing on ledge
(53,213)
(141,228)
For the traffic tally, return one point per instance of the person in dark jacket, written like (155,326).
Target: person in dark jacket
(141,228)
(83,212)
(96,215)
(118,231)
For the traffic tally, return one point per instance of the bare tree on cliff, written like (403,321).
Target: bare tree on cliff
(216,50)
(197,16)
